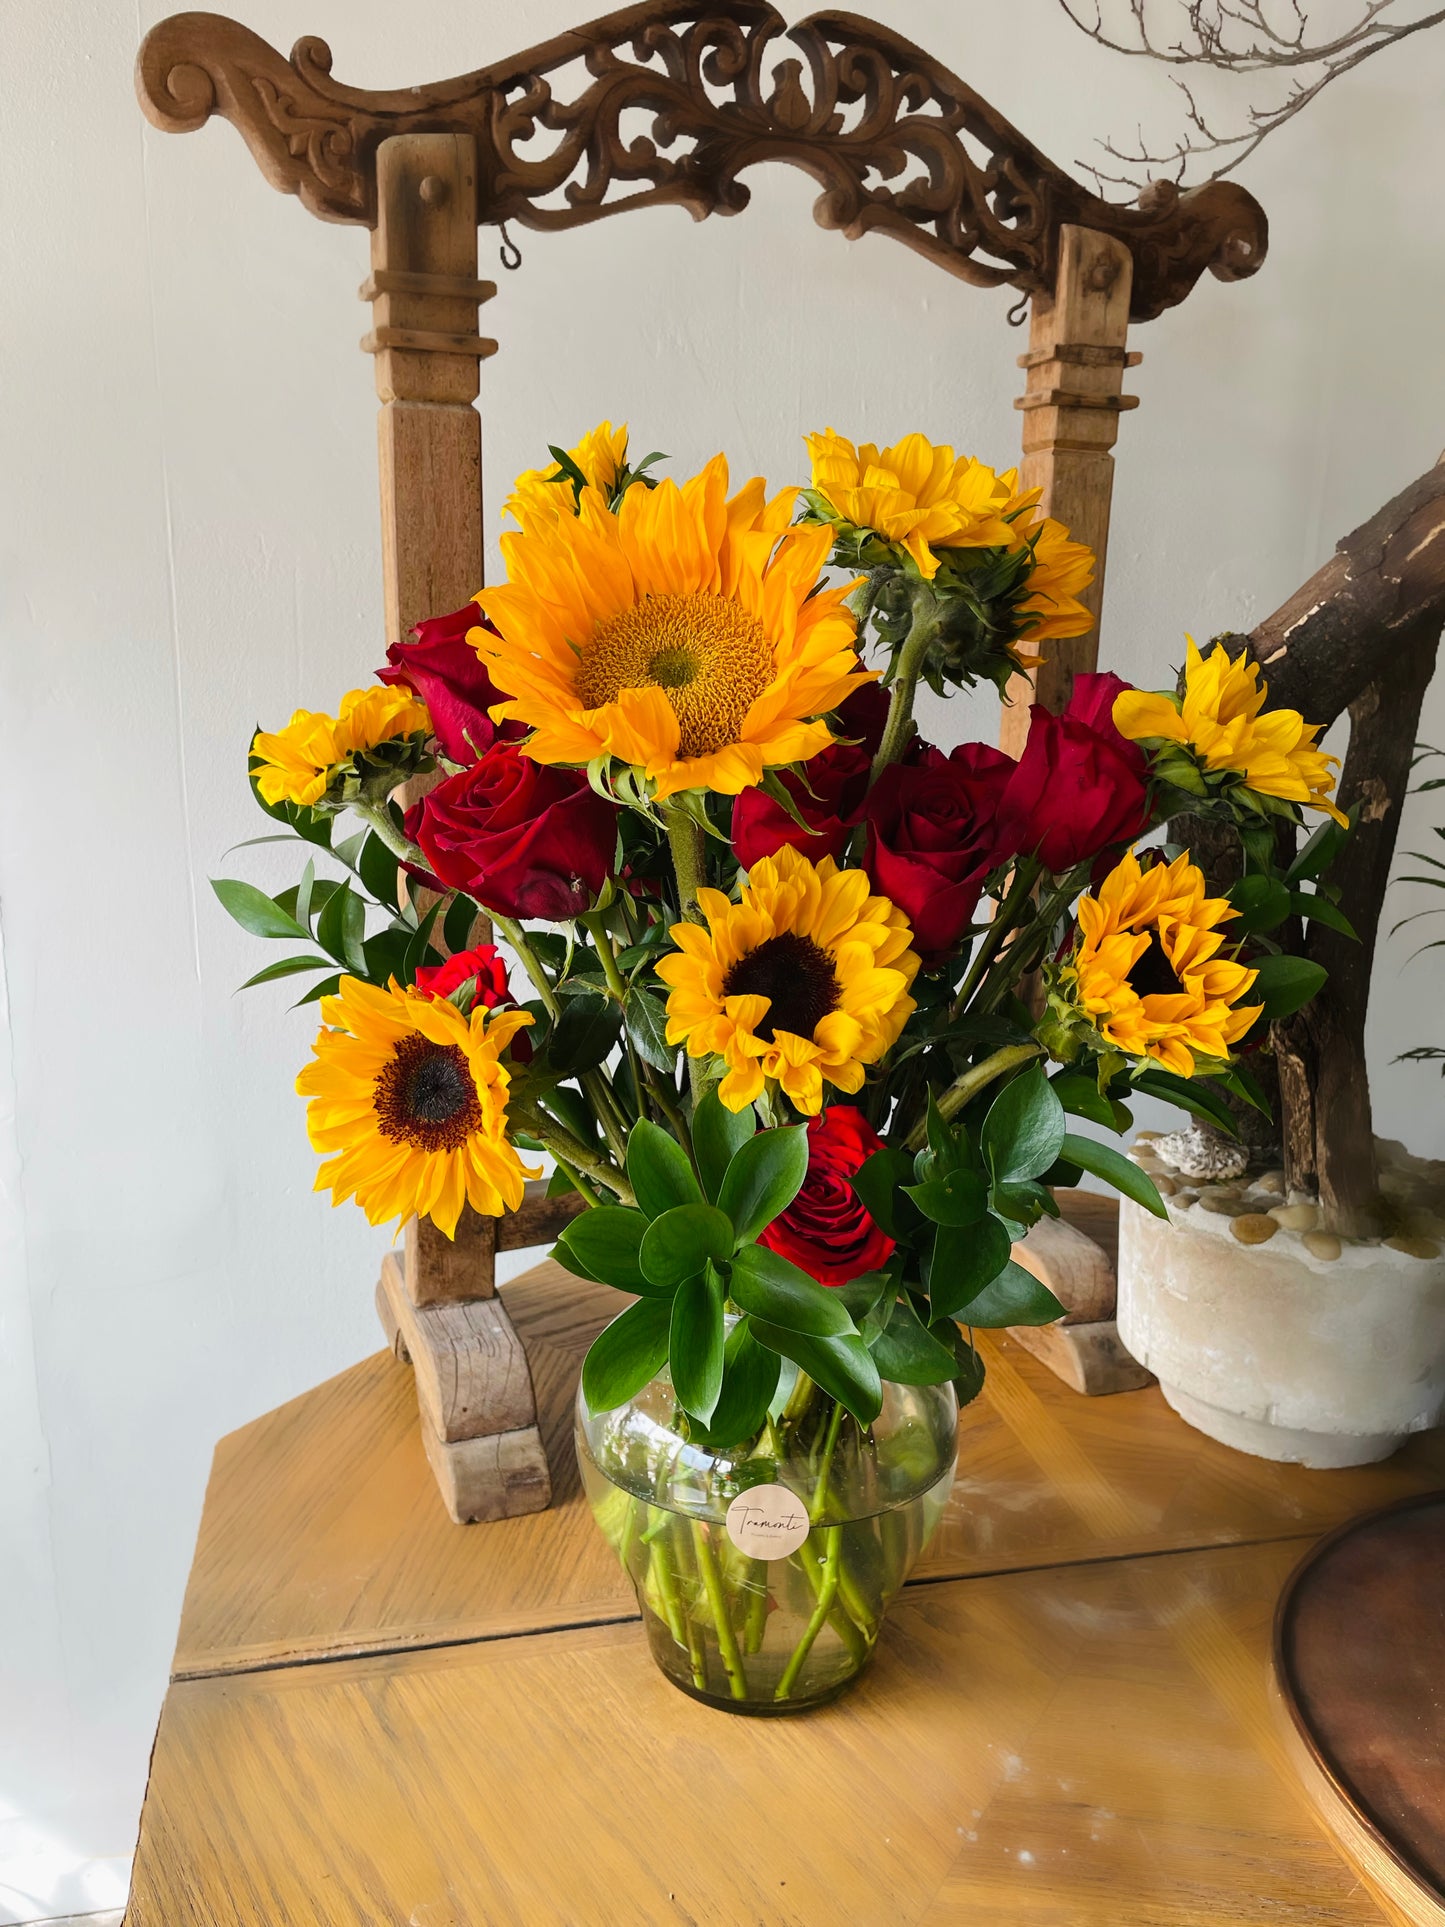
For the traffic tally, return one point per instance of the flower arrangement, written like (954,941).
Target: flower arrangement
(816,1010)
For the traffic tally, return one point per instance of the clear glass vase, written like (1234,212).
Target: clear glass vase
(764,1570)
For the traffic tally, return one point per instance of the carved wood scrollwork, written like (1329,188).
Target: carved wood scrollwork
(898,144)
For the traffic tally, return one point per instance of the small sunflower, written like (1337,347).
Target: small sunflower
(542,496)
(1218,723)
(916,495)
(682,633)
(411,1097)
(1050,606)
(299,764)
(1146,970)
(806,978)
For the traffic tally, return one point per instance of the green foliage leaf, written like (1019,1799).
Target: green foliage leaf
(968,1381)
(695,1348)
(1024,1129)
(658,1170)
(419,948)
(878,1181)
(767,1285)
(377,867)
(1285,985)
(1015,1297)
(1190,1094)
(1110,1165)
(906,1352)
(584,1035)
(762,1180)
(327,987)
(608,1241)
(864,1294)
(629,1352)
(255,911)
(678,1243)
(1263,903)
(1315,907)
(646,1021)
(963,1261)
(1318,852)
(341,929)
(1081,1097)
(750,1379)
(957,1198)
(842,1366)
(457,921)
(717,1135)
(288,967)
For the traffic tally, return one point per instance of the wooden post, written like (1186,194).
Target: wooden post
(1071,406)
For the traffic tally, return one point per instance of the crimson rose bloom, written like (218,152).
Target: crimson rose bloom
(523,839)
(485,963)
(443,670)
(826,1230)
(933,838)
(1080,787)
(837,778)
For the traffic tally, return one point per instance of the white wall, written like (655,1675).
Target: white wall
(191,544)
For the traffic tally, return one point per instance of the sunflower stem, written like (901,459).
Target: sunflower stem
(378,818)
(561,1143)
(1025,875)
(687,841)
(906,672)
(965,1088)
(517,937)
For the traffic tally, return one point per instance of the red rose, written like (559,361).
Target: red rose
(485,963)
(826,1230)
(933,838)
(829,800)
(522,838)
(1079,787)
(442,669)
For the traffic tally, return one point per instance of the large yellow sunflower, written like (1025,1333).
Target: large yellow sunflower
(543,496)
(411,1097)
(806,978)
(295,764)
(916,494)
(1218,721)
(1146,969)
(684,634)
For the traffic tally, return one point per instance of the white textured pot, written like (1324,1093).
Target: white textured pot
(1278,1352)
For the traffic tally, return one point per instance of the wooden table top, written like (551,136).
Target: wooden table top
(1068,1721)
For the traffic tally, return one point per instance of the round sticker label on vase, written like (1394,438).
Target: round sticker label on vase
(767,1522)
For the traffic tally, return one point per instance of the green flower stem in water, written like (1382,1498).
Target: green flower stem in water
(832,1553)
(756,1622)
(727,1644)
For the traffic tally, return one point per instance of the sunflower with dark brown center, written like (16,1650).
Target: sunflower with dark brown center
(410,1097)
(806,979)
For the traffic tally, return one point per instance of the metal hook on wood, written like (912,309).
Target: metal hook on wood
(1018,313)
(511,253)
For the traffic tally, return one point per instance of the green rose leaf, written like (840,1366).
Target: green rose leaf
(842,1366)
(658,1170)
(678,1243)
(607,1241)
(1015,1297)
(877,1182)
(629,1352)
(771,1288)
(1284,985)
(908,1353)
(1024,1129)
(255,911)
(958,1198)
(964,1260)
(584,1034)
(1115,1169)
(762,1180)
(750,1379)
(647,1027)
(718,1134)
(695,1346)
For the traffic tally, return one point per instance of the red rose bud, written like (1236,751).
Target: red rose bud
(828,796)
(1080,787)
(485,963)
(522,838)
(933,838)
(445,672)
(826,1230)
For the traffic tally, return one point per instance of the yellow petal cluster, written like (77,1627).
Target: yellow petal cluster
(409,1099)
(1062,569)
(1146,968)
(540,497)
(806,979)
(685,634)
(296,762)
(916,493)
(1219,721)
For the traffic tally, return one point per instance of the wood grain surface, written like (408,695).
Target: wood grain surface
(323,1533)
(1359,1660)
(1079,1747)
